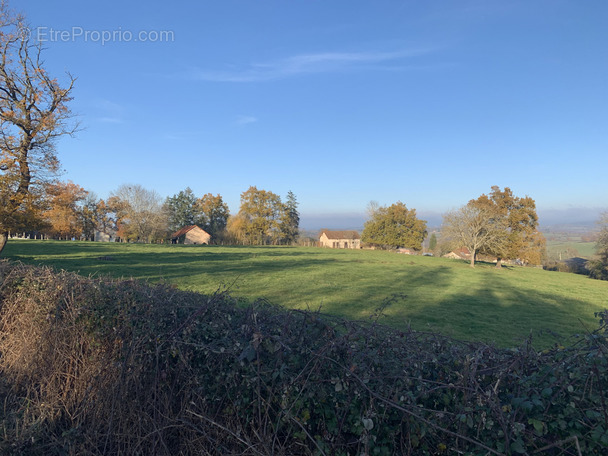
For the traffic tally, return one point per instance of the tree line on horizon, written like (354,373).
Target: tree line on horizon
(133,213)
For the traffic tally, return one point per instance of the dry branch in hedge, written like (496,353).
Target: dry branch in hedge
(100,366)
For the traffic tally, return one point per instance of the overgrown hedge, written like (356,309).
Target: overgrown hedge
(98,366)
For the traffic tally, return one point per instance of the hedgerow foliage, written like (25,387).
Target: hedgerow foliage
(100,366)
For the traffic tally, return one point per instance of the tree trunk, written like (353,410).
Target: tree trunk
(3,239)
(473,255)
(498,263)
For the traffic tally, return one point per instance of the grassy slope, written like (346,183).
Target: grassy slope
(442,295)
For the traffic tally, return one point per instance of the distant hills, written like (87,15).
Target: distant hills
(570,220)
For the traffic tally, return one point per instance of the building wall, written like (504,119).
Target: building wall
(197,237)
(101,236)
(324,241)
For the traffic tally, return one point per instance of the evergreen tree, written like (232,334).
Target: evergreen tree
(181,210)
(290,220)
(433,242)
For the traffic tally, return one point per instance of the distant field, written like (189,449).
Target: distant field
(503,306)
(584,249)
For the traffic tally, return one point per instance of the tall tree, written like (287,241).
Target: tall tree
(260,211)
(290,220)
(33,114)
(181,210)
(105,218)
(520,220)
(89,216)
(64,213)
(475,228)
(213,215)
(139,213)
(395,226)
(598,268)
(236,229)
(433,242)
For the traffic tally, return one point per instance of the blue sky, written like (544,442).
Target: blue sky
(342,102)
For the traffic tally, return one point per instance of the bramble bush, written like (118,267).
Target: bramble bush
(93,366)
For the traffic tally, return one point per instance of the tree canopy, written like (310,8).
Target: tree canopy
(213,215)
(475,228)
(518,216)
(264,219)
(181,210)
(394,226)
(65,215)
(33,114)
(140,215)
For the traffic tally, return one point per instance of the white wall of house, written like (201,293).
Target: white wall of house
(339,243)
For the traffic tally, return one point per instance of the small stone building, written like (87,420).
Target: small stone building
(346,239)
(192,234)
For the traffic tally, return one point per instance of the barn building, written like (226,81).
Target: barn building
(192,234)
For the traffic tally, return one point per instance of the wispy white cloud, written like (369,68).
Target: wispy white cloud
(244,120)
(309,64)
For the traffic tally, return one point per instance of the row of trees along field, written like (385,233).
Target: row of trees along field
(135,214)
(500,225)
(34,113)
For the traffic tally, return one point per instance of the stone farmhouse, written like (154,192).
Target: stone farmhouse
(347,239)
(192,234)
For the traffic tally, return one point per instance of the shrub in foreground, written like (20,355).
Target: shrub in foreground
(100,366)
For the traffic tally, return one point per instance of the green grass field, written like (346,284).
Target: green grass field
(584,249)
(434,294)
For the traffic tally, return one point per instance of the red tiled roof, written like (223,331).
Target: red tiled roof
(183,231)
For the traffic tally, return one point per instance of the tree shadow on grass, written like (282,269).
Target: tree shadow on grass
(483,304)
(501,314)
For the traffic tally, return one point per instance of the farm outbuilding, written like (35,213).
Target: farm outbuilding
(345,239)
(459,254)
(192,234)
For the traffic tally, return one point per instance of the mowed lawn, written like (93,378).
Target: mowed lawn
(429,294)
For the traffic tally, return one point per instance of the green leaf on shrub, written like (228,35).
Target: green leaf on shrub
(518,446)
(538,425)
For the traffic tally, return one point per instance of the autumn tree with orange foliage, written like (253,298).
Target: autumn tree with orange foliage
(214,215)
(33,114)
(64,215)
(518,214)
